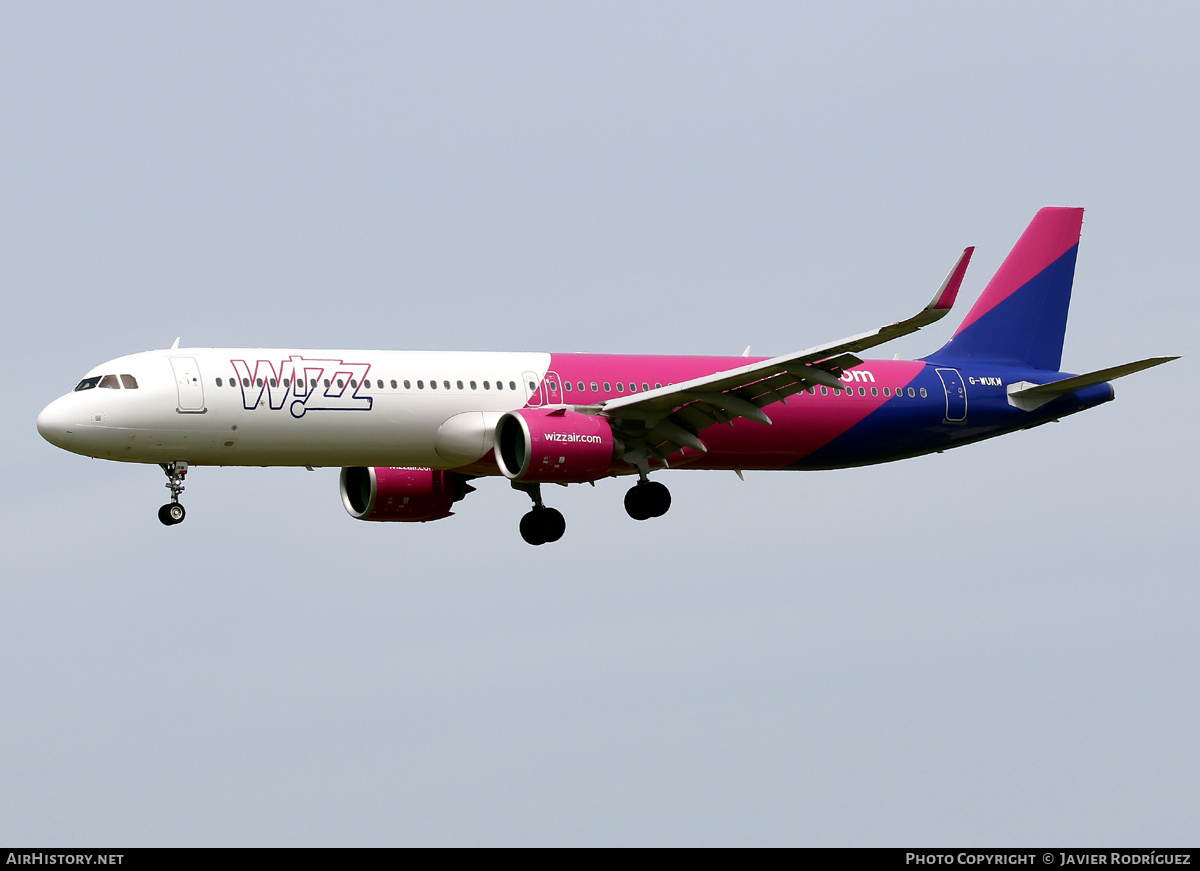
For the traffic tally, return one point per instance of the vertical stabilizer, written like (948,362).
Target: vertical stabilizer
(1021,317)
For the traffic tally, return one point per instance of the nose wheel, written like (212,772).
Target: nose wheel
(173,512)
(647,499)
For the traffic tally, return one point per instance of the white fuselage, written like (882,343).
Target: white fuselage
(254,406)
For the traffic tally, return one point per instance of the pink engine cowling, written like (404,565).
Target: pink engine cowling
(559,446)
(413,495)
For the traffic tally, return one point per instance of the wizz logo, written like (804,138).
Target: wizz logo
(303,385)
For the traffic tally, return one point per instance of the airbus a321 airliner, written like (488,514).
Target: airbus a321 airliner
(411,429)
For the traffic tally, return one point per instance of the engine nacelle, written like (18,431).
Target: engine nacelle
(414,495)
(554,447)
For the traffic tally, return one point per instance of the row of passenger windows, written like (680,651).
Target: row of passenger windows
(366,383)
(568,386)
(862,391)
(109,381)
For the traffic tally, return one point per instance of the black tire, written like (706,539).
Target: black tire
(553,524)
(171,514)
(636,504)
(657,497)
(532,528)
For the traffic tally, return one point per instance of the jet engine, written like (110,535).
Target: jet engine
(559,446)
(380,493)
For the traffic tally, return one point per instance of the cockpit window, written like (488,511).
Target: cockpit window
(87,383)
(129,382)
(110,381)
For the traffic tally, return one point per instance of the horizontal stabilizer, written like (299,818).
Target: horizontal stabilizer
(1028,396)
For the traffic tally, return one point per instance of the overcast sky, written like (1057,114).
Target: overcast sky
(992,646)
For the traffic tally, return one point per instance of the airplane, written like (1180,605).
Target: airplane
(411,429)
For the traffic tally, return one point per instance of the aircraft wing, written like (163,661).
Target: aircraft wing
(659,422)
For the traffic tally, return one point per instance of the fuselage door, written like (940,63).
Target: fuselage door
(956,395)
(189,385)
(534,390)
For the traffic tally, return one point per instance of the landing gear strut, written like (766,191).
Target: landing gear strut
(647,499)
(173,512)
(541,525)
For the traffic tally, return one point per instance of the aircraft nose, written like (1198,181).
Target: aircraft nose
(55,423)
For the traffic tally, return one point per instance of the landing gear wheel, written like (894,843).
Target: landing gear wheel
(553,524)
(543,525)
(171,513)
(531,529)
(647,499)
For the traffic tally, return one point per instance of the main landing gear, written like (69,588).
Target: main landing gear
(647,499)
(173,512)
(541,525)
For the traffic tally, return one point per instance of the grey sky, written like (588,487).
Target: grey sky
(992,646)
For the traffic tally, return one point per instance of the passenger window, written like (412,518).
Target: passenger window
(532,385)
(245,382)
(499,385)
(111,382)
(862,391)
(341,384)
(824,390)
(407,384)
(632,387)
(607,387)
(923,393)
(87,383)
(512,385)
(486,386)
(446,384)
(394,383)
(326,383)
(473,387)
(594,387)
(287,382)
(258,382)
(886,392)
(433,385)
(554,387)
(620,387)
(273,384)
(420,385)
(579,384)
(567,385)
(657,385)
(460,387)
(219,384)
(911,392)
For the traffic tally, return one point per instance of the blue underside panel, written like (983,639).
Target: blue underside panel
(904,428)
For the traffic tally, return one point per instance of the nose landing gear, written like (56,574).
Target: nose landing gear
(173,512)
(541,525)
